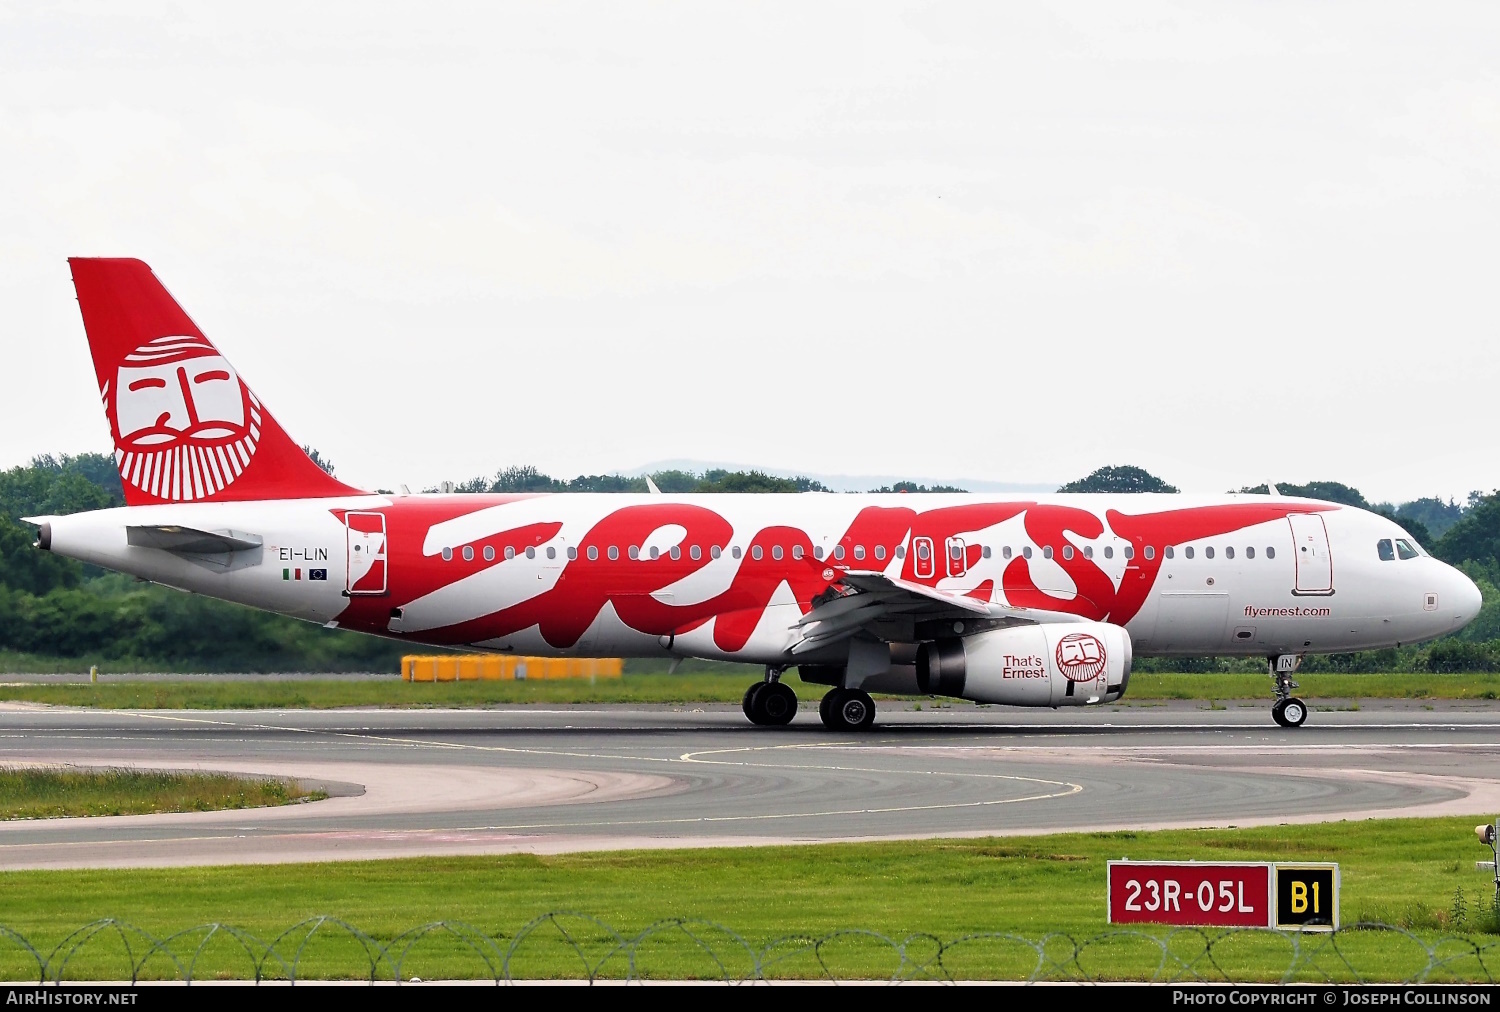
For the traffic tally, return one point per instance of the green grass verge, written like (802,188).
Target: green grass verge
(1405,872)
(270,693)
(28,793)
(1144,685)
(273,694)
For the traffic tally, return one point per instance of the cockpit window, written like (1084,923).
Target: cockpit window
(1387,551)
(1404,549)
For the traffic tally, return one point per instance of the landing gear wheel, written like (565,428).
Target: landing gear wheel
(1276,712)
(748,704)
(770,704)
(847,710)
(1293,712)
(775,704)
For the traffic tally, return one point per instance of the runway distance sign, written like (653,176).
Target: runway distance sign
(1190,893)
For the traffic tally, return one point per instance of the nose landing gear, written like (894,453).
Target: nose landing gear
(770,703)
(1288,710)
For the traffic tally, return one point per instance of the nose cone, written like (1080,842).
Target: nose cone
(1464,599)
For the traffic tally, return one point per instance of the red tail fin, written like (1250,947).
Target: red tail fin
(186,427)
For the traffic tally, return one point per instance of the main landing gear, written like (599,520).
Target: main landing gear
(1288,710)
(847,710)
(769,703)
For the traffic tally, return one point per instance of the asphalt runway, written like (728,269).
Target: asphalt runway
(425,782)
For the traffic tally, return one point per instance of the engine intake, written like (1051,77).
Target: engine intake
(1053,664)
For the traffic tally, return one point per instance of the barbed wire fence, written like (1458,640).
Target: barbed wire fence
(566,944)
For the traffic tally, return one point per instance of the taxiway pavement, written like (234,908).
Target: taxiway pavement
(547,780)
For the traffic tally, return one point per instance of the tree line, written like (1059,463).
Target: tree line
(56,612)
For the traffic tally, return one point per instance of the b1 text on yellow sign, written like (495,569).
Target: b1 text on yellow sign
(1307,896)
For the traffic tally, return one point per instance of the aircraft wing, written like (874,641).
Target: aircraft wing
(189,540)
(867,598)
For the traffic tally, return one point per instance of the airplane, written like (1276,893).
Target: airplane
(1041,600)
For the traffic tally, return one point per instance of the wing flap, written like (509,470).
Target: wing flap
(870,597)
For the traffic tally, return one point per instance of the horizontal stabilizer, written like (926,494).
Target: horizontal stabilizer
(190,541)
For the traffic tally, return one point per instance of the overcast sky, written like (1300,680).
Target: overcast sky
(1009,242)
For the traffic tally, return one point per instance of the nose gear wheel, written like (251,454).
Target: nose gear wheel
(1289,712)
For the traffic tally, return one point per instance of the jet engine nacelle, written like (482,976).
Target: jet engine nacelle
(1053,664)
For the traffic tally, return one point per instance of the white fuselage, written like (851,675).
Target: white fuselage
(729,576)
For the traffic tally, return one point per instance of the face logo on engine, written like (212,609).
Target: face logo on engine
(1080,657)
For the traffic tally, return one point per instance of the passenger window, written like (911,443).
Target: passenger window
(1005,552)
(1150,552)
(1250,553)
(1088,551)
(1067,551)
(859,551)
(715,552)
(614,553)
(695,553)
(1129,551)
(879,553)
(900,551)
(593,553)
(447,555)
(655,553)
(735,551)
(796,551)
(1386,549)
(1047,552)
(1026,551)
(1229,552)
(1404,550)
(1270,552)
(1109,552)
(531,553)
(818,552)
(776,552)
(923,552)
(468,553)
(756,553)
(634,552)
(551,552)
(1208,552)
(1188,551)
(510,552)
(489,553)
(984,552)
(838,552)
(1169,552)
(676,552)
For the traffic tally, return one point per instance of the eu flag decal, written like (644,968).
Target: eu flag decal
(317,574)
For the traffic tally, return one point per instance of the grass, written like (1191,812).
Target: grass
(1405,872)
(1144,685)
(682,688)
(271,693)
(40,793)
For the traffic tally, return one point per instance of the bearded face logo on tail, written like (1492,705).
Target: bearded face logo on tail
(185,426)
